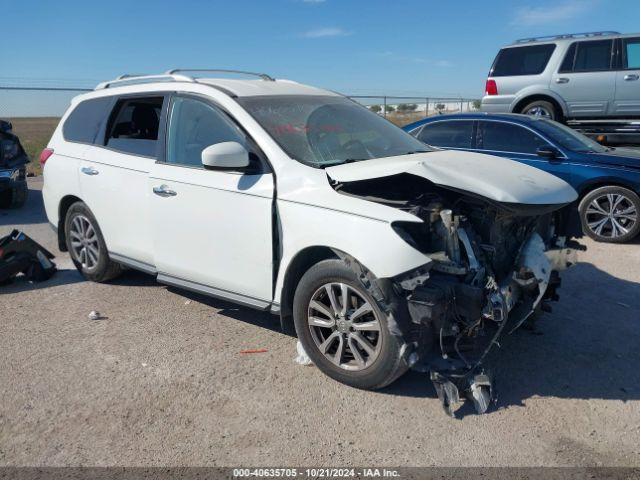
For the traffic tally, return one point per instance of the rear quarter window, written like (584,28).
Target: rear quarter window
(84,122)
(529,60)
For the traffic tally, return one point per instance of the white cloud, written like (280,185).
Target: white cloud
(530,16)
(326,32)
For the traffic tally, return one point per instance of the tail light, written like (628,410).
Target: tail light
(491,88)
(44,156)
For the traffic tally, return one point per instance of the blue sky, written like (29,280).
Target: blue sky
(354,46)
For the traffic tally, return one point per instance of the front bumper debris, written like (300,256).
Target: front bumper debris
(453,309)
(20,254)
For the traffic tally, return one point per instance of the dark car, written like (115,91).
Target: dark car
(13,169)
(606,179)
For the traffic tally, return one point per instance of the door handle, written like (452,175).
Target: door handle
(89,171)
(631,77)
(164,191)
(562,80)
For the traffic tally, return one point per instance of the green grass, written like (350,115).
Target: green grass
(34,134)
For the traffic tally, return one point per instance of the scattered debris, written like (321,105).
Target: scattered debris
(144,364)
(254,350)
(187,302)
(302,358)
(20,254)
(94,315)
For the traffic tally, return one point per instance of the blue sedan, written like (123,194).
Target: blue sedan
(607,179)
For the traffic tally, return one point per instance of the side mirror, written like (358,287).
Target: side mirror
(548,152)
(225,155)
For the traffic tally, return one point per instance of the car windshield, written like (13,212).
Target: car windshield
(322,131)
(569,138)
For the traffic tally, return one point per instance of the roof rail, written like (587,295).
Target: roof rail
(566,35)
(130,79)
(263,76)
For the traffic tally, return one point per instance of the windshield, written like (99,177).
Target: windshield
(569,138)
(325,130)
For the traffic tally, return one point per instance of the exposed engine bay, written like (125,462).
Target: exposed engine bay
(493,266)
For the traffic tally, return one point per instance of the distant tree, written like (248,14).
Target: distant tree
(440,107)
(390,108)
(375,108)
(407,107)
(476,104)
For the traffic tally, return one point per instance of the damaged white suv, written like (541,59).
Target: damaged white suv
(381,253)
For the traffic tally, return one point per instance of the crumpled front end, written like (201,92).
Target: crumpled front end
(491,271)
(493,266)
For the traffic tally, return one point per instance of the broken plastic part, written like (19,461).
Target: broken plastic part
(302,358)
(20,254)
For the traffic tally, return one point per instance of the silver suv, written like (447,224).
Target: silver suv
(575,76)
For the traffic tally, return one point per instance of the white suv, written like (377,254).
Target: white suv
(284,197)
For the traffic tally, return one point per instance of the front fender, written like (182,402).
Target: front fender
(372,242)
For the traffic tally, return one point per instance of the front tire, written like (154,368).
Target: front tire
(86,245)
(610,214)
(14,197)
(343,329)
(542,108)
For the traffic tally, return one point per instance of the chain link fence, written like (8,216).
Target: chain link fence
(34,110)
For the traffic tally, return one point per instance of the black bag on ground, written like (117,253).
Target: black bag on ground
(20,254)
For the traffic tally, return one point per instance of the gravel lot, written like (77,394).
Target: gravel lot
(161,380)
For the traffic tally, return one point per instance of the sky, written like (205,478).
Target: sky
(400,47)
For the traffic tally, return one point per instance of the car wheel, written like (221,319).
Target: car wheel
(19,194)
(541,108)
(86,245)
(343,329)
(610,214)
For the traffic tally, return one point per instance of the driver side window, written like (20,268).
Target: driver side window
(193,126)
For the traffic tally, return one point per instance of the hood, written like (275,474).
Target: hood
(495,178)
(620,157)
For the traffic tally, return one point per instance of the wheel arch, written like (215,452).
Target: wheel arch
(589,186)
(547,97)
(297,267)
(63,208)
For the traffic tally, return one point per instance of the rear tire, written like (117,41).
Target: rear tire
(86,245)
(542,108)
(610,214)
(377,360)
(15,196)
(19,194)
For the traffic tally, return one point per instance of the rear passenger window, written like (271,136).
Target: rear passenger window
(134,125)
(507,137)
(593,56)
(448,134)
(632,53)
(84,122)
(530,60)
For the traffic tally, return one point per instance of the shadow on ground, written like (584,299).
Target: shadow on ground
(31,213)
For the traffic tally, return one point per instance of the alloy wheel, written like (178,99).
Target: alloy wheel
(539,111)
(611,215)
(84,242)
(344,326)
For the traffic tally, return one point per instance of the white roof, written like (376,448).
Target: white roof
(247,88)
